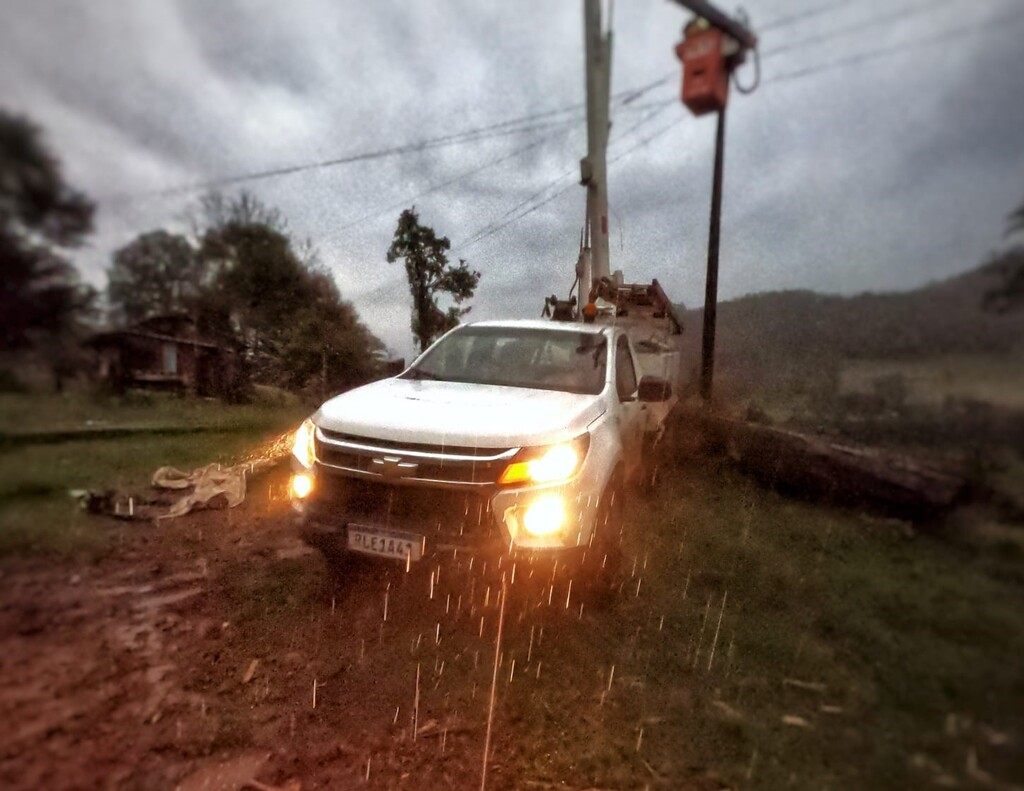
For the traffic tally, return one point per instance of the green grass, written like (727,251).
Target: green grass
(74,411)
(914,642)
(990,379)
(37,514)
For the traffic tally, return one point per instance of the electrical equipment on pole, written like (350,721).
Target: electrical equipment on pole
(705,52)
(714,44)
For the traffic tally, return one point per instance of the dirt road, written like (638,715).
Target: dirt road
(217,649)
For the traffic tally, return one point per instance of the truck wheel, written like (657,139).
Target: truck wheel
(603,557)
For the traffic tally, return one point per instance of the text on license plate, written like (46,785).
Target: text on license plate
(385,543)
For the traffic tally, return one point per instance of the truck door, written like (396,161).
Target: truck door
(630,408)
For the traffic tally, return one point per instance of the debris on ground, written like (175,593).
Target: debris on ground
(177,492)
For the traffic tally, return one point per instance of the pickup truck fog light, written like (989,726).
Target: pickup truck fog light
(544,516)
(302,485)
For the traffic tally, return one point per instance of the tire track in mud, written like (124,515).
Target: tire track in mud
(87,663)
(192,659)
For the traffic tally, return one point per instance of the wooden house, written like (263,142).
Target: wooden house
(167,352)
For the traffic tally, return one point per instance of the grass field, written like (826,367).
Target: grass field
(757,642)
(36,512)
(995,380)
(776,645)
(851,653)
(73,411)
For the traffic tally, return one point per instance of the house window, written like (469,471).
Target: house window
(170,359)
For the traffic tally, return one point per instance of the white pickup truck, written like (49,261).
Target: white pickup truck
(504,436)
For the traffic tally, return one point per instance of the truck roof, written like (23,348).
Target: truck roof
(542,324)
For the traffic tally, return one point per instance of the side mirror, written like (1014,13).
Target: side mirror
(655,389)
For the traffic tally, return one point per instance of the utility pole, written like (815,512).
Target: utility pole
(714,46)
(594,167)
(707,350)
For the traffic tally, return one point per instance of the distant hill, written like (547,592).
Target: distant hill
(769,337)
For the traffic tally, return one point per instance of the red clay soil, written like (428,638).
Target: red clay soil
(217,649)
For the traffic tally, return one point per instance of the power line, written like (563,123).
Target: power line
(572,171)
(856,59)
(807,13)
(470,136)
(510,126)
(896,49)
(896,16)
(905,13)
(496,225)
(477,238)
(440,186)
(661,106)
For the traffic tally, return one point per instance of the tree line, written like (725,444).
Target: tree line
(239,274)
(242,277)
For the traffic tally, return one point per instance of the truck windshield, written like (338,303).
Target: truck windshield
(573,362)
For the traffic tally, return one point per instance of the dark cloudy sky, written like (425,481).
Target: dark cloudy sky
(880,174)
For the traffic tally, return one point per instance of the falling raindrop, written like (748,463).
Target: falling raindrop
(717,629)
(416,704)
(700,637)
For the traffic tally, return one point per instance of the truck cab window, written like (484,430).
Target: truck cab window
(625,374)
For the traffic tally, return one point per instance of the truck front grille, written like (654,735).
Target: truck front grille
(426,511)
(449,466)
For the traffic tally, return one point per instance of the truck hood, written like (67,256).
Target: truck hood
(455,413)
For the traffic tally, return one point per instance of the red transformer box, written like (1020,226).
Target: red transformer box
(705,68)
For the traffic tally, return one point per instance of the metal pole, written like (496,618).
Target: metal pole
(707,362)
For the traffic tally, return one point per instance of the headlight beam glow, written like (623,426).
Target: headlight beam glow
(304,445)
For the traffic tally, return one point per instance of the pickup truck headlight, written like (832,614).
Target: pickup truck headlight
(304,444)
(548,464)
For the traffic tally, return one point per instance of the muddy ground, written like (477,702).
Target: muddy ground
(218,649)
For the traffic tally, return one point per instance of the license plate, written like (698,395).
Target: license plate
(385,543)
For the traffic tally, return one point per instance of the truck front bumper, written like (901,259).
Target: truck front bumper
(532,520)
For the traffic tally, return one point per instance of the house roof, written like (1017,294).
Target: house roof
(110,336)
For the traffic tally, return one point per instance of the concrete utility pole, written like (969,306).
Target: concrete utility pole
(703,97)
(594,167)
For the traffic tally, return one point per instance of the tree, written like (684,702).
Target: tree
(157,273)
(297,329)
(327,347)
(41,217)
(430,273)
(1009,267)
(1015,222)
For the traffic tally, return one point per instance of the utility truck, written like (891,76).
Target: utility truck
(518,437)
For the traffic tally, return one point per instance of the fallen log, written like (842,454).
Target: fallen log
(821,469)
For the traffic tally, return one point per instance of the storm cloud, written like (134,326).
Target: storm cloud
(883,174)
